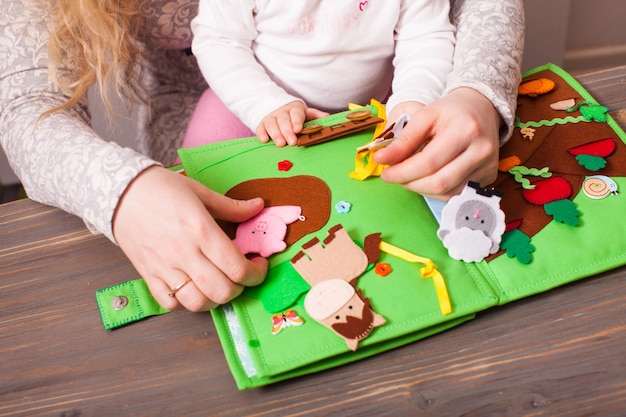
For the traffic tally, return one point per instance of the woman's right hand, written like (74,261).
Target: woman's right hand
(445,144)
(165,225)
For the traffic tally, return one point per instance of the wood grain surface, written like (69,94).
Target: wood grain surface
(560,353)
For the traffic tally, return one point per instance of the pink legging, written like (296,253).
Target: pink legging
(213,122)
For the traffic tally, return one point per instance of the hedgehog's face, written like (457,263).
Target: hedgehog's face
(476,215)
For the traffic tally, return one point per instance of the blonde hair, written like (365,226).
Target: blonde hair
(96,42)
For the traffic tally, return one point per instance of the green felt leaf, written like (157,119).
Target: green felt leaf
(563,211)
(594,112)
(281,289)
(591,162)
(517,245)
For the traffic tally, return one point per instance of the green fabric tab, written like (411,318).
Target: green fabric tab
(245,381)
(125,303)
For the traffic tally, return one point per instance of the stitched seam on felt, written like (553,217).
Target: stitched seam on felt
(567,273)
(112,324)
(483,277)
(243,311)
(103,314)
(140,311)
(233,156)
(220,145)
(232,343)
(296,359)
(215,146)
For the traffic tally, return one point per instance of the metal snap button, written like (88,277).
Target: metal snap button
(119,302)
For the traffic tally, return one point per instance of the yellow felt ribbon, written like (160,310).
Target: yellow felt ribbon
(428,271)
(364,164)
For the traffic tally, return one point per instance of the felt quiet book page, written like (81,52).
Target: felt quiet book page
(561,174)
(358,266)
(363,269)
(367,266)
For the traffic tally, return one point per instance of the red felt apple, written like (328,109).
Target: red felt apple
(548,190)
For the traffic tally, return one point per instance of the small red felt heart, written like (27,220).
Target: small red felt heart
(548,190)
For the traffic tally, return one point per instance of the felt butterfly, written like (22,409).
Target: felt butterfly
(285,319)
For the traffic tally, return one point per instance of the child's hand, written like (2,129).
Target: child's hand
(282,125)
(445,144)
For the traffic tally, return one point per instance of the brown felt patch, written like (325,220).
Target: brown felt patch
(549,148)
(371,247)
(310,193)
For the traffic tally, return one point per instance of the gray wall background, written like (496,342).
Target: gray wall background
(579,35)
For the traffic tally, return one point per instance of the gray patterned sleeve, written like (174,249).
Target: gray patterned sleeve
(59,159)
(488,52)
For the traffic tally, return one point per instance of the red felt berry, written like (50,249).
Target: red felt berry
(547,190)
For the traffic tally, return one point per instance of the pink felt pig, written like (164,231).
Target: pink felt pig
(265,233)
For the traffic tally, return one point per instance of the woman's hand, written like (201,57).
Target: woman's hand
(283,124)
(165,225)
(445,144)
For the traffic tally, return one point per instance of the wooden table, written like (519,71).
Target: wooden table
(560,353)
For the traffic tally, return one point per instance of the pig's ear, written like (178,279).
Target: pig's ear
(288,214)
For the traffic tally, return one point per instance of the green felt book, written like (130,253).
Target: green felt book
(561,173)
